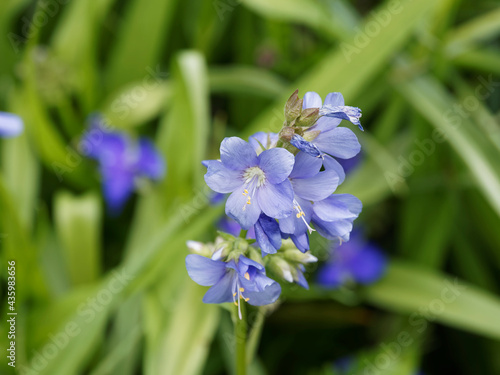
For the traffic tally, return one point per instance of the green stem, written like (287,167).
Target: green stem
(243,233)
(254,336)
(240,335)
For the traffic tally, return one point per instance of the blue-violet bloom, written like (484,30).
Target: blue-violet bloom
(233,280)
(258,183)
(356,260)
(122,161)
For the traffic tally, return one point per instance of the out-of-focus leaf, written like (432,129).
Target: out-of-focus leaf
(408,289)
(481,28)
(245,80)
(137,103)
(430,98)
(486,60)
(78,225)
(187,338)
(141,39)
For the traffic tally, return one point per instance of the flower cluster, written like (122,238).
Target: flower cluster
(281,186)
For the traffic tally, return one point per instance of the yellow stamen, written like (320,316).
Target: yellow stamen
(247,276)
(234,294)
(242,290)
(247,299)
(235,303)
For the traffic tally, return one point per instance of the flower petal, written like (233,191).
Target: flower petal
(367,265)
(237,207)
(331,275)
(332,164)
(333,230)
(305,166)
(348,113)
(338,207)
(277,163)
(151,162)
(340,142)
(301,241)
(237,154)
(334,99)
(221,179)
(267,233)
(316,188)
(308,147)
(312,100)
(118,185)
(270,292)
(11,125)
(259,139)
(205,271)
(276,200)
(222,291)
(325,124)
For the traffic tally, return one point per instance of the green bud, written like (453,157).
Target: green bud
(281,267)
(298,256)
(293,107)
(308,117)
(286,134)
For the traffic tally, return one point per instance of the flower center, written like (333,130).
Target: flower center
(252,173)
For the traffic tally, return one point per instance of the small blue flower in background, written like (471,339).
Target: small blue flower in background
(347,366)
(258,183)
(10,125)
(263,139)
(356,260)
(121,160)
(233,280)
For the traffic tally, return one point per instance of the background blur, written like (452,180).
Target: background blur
(98,294)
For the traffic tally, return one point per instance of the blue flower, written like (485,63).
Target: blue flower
(10,125)
(258,183)
(233,280)
(356,260)
(325,138)
(122,161)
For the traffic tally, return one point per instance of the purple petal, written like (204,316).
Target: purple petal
(245,263)
(325,124)
(339,142)
(228,225)
(296,225)
(312,100)
(316,188)
(151,162)
(268,140)
(348,113)
(204,271)
(338,207)
(305,146)
(332,164)
(118,185)
(301,280)
(301,241)
(114,150)
(277,163)
(368,264)
(10,125)
(276,200)
(270,292)
(222,179)
(305,166)
(237,154)
(331,275)
(267,233)
(237,207)
(333,230)
(222,291)
(334,99)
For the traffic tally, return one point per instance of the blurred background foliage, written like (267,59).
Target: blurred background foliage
(189,73)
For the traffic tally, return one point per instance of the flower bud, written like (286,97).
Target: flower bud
(286,134)
(295,255)
(281,267)
(308,117)
(293,107)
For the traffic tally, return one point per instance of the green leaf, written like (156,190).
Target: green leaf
(407,289)
(78,226)
(140,41)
